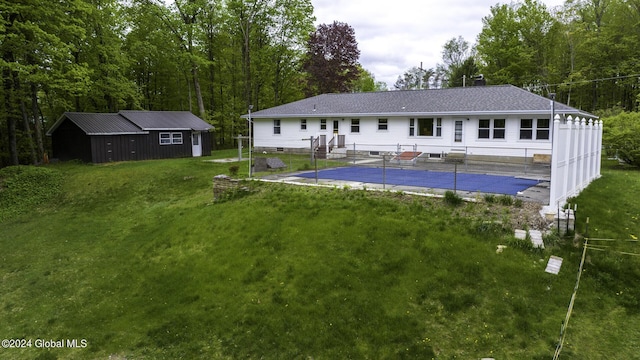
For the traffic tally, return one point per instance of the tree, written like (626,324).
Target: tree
(621,139)
(35,57)
(332,59)
(459,63)
(515,43)
(415,78)
(367,82)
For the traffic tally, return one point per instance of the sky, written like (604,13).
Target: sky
(395,35)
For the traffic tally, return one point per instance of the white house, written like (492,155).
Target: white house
(482,121)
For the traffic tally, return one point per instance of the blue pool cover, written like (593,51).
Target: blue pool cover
(497,184)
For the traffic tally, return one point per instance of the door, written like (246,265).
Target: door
(336,124)
(196,143)
(457,137)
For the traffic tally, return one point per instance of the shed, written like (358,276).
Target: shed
(130,135)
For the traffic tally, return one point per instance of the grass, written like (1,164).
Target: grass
(137,259)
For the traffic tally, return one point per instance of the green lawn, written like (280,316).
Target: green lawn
(138,260)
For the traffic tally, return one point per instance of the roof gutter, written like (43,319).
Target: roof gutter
(420,114)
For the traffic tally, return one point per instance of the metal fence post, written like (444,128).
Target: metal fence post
(384,171)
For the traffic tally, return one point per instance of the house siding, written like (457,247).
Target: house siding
(397,135)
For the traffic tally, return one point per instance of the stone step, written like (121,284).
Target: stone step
(535,235)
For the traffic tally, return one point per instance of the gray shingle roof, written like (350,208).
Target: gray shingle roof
(132,122)
(505,99)
(166,120)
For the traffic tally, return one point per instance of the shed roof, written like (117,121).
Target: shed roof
(500,99)
(166,120)
(132,122)
(99,124)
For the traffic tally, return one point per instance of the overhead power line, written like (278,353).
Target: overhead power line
(595,80)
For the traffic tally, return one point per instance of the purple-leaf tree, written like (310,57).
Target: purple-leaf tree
(332,59)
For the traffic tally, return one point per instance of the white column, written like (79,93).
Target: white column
(555,159)
(599,147)
(583,155)
(590,156)
(567,139)
(576,156)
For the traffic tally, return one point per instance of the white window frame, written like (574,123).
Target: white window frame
(355,126)
(277,127)
(383,124)
(323,124)
(170,138)
(536,131)
(436,127)
(491,131)
(303,124)
(165,138)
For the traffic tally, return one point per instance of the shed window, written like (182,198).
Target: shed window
(323,124)
(170,138)
(165,138)
(303,124)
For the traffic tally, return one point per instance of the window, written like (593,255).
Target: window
(276,127)
(323,124)
(537,127)
(383,124)
(165,138)
(498,128)
(170,138)
(526,129)
(491,129)
(355,125)
(484,126)
(542,129)
(412,127)
(303,124)
(430,127)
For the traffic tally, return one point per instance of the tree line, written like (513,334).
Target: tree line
(585,52)
(215,58)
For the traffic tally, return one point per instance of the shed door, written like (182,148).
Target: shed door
(196,143)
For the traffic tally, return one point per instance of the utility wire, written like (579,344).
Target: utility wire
(595,80)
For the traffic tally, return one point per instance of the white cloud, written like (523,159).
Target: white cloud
(396,35)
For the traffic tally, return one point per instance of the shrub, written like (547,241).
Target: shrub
(505,200)
(452,198)
(518,203)
(233,170)
(489,198)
